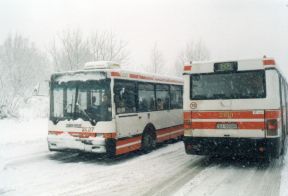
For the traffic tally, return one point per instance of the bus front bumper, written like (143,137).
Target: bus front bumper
(232,146)
(69,143)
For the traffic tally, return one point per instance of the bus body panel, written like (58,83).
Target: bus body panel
(207,122)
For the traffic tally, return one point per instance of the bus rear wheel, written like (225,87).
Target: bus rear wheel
(148,141)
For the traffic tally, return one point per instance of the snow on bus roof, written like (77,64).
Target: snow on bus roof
(98,74)
(101,65)
(78,76)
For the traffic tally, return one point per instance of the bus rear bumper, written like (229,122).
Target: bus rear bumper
(68,143)
(232,146)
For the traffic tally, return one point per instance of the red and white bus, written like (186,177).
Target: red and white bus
(104,109)
(235,107)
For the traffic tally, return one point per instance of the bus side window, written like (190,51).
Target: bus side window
(146,97)
(176,97)
(162,97)
(126,96)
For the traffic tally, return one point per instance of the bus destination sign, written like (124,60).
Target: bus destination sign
(225,67)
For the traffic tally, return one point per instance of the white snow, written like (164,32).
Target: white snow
(28,168)
(35,107)
(284,177)
(22,131)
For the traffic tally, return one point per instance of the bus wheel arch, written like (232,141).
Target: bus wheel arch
(149,138)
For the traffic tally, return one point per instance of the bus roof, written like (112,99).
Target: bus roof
(84,75)
(229,66)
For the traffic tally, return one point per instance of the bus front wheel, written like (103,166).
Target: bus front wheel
(148,141)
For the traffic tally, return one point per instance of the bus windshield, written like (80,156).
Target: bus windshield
(88,100)
(236,85)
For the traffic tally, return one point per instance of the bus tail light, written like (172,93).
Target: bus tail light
(187,68)
(269,62)
(271,127)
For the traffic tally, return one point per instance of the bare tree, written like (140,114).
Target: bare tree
(106,46)
(22,66)
(192,52)
(71,49)
(157,60)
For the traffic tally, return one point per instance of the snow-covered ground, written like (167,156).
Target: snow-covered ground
(28,168)
(284,177)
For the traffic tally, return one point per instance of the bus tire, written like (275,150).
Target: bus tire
(148,140)
(110,145)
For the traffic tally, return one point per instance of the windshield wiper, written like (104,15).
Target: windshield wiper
(91,120)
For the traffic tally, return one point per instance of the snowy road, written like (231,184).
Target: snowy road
(166,171)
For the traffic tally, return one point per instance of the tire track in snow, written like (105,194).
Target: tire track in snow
(227,177)
(189,170)
(134,176)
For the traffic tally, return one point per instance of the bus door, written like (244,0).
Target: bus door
(128,121)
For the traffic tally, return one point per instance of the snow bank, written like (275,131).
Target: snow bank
(16,134)
(284,177)
(35,107)
(22,131)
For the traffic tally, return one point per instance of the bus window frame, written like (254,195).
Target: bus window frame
(137,95)
(231,72)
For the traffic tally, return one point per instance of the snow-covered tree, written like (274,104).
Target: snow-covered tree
(22,65)
(193,51)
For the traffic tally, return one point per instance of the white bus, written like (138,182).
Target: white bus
(235,107)
(104,109)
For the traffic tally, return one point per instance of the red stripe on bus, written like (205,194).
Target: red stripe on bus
(128,149)
(170,136)
(129,140)
(109,135)
(82,134)
(272,114)
(169,129)
(135,76)
(146,77)
(169,133)
(187,115)
(159,132)
(114,73)
(55,132)
(241,125)
(226,115)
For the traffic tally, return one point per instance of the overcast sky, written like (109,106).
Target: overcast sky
(231,29)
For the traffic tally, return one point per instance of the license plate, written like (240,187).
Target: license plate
(226,126)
